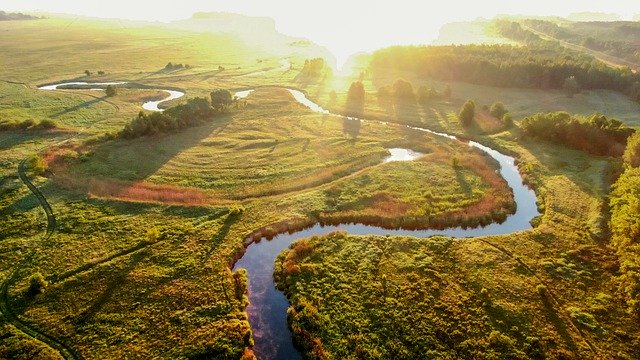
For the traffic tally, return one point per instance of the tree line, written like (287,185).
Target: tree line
(196,111)
(624,202)
(596,134)
(541,67)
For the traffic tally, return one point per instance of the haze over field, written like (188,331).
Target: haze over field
(345,27)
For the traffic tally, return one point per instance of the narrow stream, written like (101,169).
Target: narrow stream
(268,306)
(81,85)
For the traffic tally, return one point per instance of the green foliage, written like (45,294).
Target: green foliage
(28,124)
(111,91)
(631,154)
(221,99)
(37,284)
(195,112)
(426,94)
(395,298)
(507,120)
(467,113)
(498,110)
(625,230)
(571,86)
(503,66)
(403,92)
(314,68)
(355,99)
(37,165)
(596,134)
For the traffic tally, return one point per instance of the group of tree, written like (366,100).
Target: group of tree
(613,38)
(426,94)
(89,73)
(596,134)
(624,202)
(6,16)
(500,112)
(28,124)
(314,70)
(196,111)
(171,67)
(544,67)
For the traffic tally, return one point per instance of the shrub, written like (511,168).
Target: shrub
(37,165)
(37,284)
(111,91)
(498,110)
(467,113)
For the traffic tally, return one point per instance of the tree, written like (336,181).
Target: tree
(571,86)
(221,99)
(111,91)
(425,94)
(446,93)
(87,72)
(498,110)
(632,152)
(507,120)
(355,99)
(100,72)
(403,92)
(467,113)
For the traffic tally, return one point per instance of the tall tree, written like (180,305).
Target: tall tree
(221,99)
(355,99)
(467,113)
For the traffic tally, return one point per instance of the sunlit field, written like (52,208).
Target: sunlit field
(422,201)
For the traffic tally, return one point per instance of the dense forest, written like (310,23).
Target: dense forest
(596,134)
(625,224)
(615,39)
(506,66)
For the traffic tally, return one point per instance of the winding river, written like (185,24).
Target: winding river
(83,85)
(268,306)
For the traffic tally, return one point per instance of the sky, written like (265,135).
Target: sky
(343,26)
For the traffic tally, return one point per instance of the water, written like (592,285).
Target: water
(398,154)
(268,306)
(149,105)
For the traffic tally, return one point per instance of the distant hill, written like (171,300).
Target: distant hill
(257,31)
(5,16)
(593,16)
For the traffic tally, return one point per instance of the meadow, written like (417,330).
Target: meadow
(147,229)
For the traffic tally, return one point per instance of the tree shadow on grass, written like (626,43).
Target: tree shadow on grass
(116,281)
(559,325)
(464,185)
(83,105)
(118,165)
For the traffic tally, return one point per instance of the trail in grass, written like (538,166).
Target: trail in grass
(268,307)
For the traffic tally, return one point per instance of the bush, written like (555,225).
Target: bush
(111,91)
(498,110)
(37,284)
(37,165)
(47,124)
(467,113)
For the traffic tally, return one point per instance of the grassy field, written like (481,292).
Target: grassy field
(545,293)
(146,228)
(139,262)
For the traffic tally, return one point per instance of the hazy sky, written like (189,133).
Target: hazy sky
(344,26)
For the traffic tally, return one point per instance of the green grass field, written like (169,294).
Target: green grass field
(146,229)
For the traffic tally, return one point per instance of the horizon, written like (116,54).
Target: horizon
(343,28)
